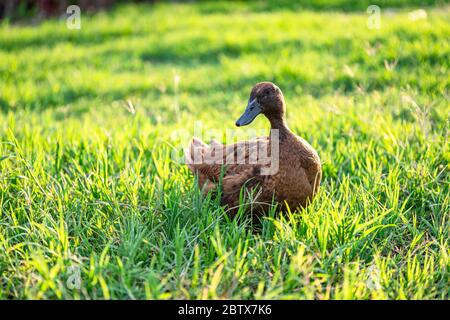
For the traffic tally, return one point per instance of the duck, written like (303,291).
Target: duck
(281,169)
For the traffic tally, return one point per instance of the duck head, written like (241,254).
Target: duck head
(265,98)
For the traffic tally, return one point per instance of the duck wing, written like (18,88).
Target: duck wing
(236,163)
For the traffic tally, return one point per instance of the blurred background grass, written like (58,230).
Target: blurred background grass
(88,119)
(19,9)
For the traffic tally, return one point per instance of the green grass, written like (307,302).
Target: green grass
(87,183)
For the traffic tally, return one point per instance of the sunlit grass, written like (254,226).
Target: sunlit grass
(87,182)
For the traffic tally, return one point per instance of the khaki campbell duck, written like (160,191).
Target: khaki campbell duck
(291,176)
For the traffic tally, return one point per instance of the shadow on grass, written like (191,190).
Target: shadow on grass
(315,5)
(50,41)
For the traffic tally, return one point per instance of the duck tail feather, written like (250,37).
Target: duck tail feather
(194,152)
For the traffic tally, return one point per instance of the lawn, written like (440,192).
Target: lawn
(94,205)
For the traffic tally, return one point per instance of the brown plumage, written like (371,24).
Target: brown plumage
(299,170)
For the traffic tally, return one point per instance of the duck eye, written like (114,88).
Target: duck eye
(267,92)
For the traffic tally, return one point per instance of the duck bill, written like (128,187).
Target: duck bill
(252,110)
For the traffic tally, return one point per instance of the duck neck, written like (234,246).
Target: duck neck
(279,122)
